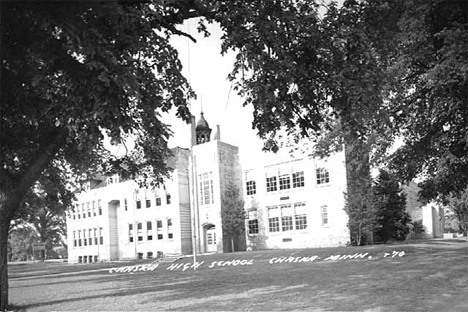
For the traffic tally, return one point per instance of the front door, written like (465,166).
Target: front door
(211,239)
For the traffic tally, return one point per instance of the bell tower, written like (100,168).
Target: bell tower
(203,130)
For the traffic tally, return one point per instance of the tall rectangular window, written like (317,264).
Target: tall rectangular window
(75,243)
(158,201)
(95,237)
(149,230)
(138,204)
(168,199)
(140,231)
(251,188)
(298,179)
(99,207)
(130,233)
(159,228)
(90,237)
(148,203)
(284,182)
(94,208)
(89,209)
(101,236)
(79,238)
(300,216)
(287,218)
(271,184)
(206,188)
(273,219)
(125,204)
(324,215)
(83,210)
(323,176)
(85,241)
(253,226)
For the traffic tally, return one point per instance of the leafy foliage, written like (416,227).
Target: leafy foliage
(20,244)
(390,207)
(459,205)
(362,218)
(232,214)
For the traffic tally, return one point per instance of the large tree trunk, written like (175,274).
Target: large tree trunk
(4,229)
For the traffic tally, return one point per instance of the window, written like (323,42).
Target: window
(88,207)
(149,230)
(101,237)
(273,219)
(140,231)
(79,238)
(169,228)
(253,226)
(83,210)
(75,243)
(90,238)
(125,204)
(85,241)
(168,199)
(95,237)
(159,228)
(99,207)
(287,218)
(323,176)
(94,208)
(271,184)
(130,233)
(148,203)
(324,215)
(251,188)
(284,182)
(138,204)
(298,179)
(300,216)
(158,201)
(206,188)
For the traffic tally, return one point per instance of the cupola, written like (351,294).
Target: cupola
(203,130)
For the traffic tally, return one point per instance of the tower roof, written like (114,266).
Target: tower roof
(202,123)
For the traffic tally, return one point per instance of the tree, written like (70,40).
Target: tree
(362,220)
(73,72)
(459,205)
(390,207)
(20,243)
(233,214)
(396,68)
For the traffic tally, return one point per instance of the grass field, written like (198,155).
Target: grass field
(428,276)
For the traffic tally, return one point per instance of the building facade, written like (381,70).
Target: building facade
(116,220)
(297,203)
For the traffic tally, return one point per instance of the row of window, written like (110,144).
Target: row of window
(286,218)
(288,181)
(88,237)
(88,259)
(160,232)
(87,210)
(148,202)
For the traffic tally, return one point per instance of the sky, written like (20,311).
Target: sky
(207,72)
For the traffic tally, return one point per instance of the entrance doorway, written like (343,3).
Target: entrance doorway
(211,239)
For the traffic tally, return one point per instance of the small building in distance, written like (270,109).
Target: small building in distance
(430,215)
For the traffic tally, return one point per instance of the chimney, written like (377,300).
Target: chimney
(193,134)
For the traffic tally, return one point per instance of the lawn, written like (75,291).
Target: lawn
(428,276)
